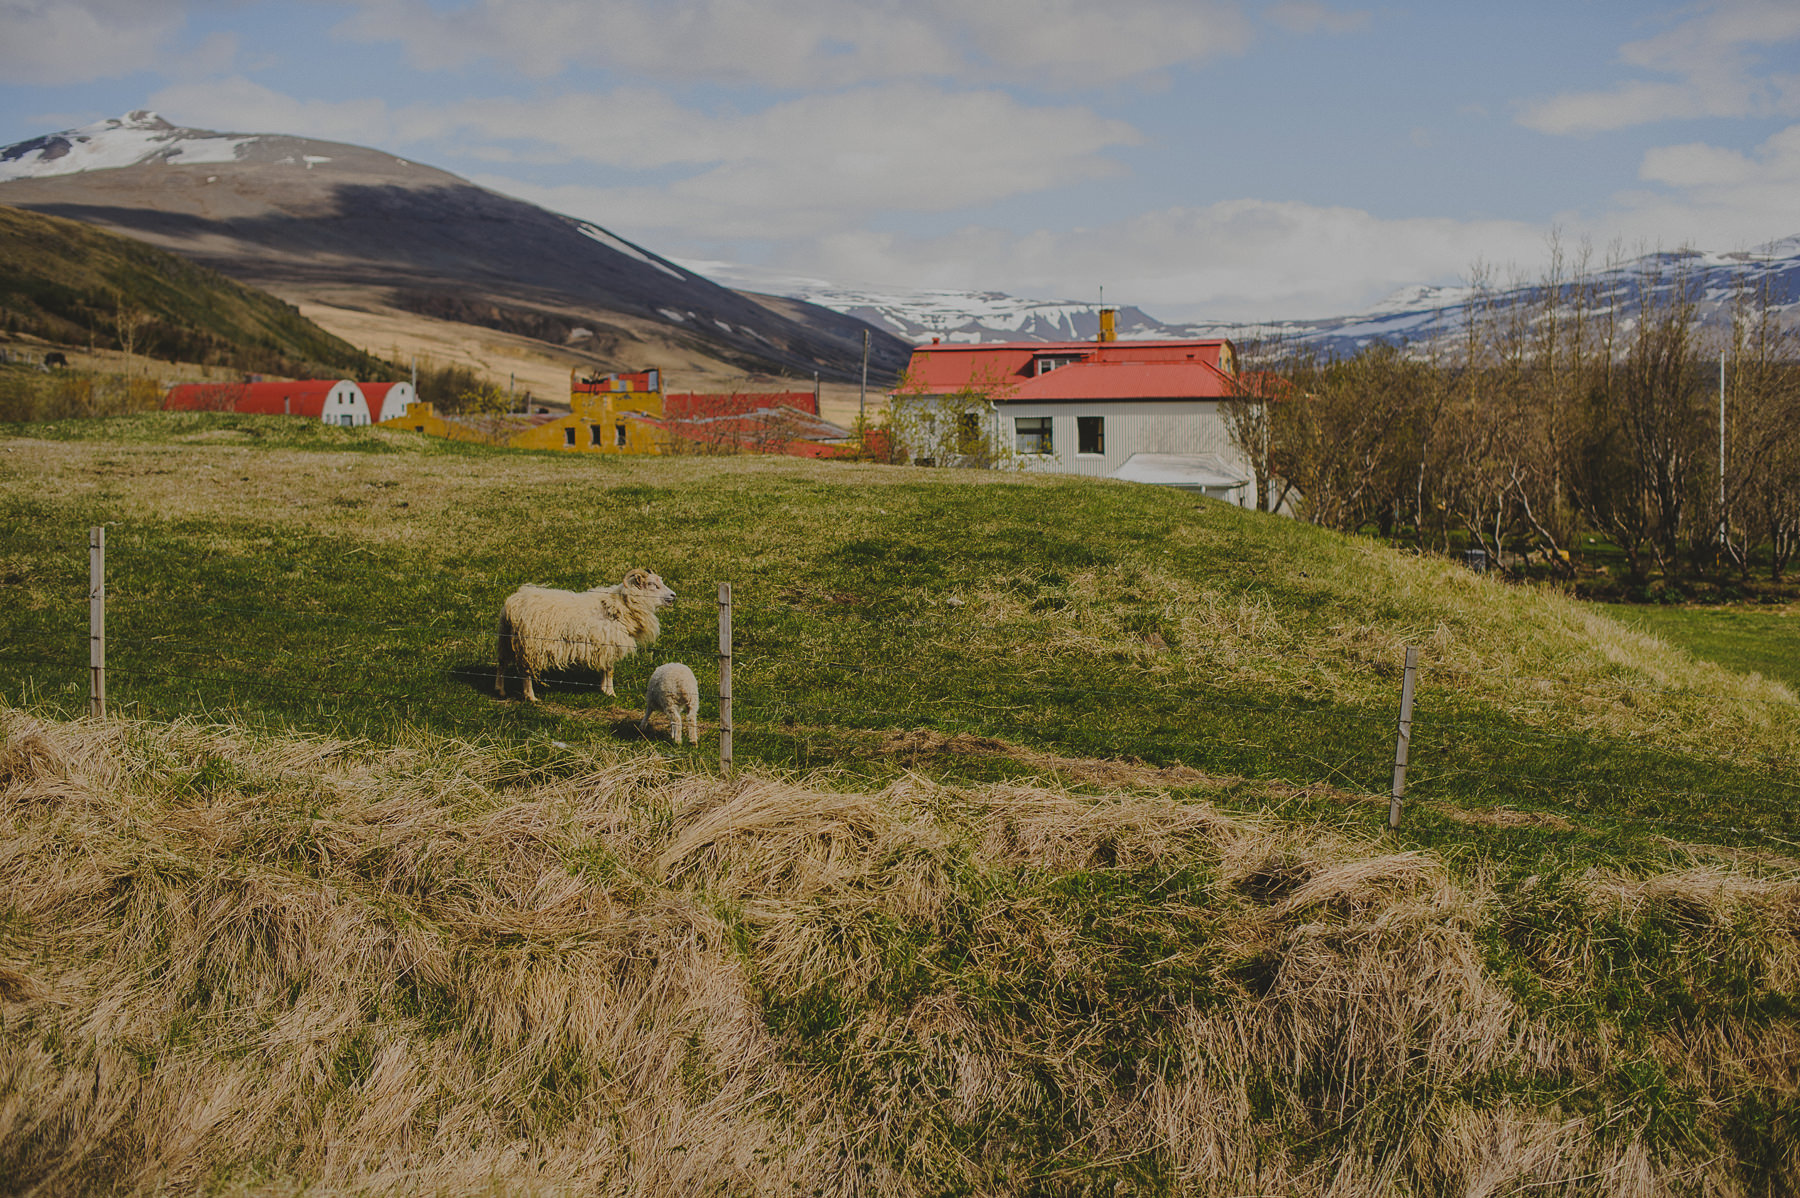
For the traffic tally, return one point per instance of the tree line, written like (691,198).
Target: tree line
(1587,404)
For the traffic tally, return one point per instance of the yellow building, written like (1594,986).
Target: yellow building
(420,417)
(614,413)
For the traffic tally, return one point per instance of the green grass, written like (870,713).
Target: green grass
(276,572)
(1749,640)
(68,282)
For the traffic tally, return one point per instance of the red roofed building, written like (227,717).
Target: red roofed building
(754,422)
(1146,411)
(329,401)
(388,400)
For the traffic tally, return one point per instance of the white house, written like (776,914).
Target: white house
(1144,411)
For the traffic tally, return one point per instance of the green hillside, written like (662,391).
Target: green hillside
(69,282)
(1054,862)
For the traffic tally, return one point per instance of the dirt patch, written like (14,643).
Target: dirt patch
(924,744)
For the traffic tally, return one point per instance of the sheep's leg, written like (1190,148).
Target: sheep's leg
(606,681)
(530,695)
(501,655)
(693,721)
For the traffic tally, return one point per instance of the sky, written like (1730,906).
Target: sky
(1230,160)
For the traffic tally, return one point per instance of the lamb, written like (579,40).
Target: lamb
(544,629)
(673,690)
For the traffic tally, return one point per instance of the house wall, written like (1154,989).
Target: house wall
(1131,426)
(605,411)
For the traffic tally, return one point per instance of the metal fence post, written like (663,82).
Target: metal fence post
(1404,742)
(97,621)
(725,677)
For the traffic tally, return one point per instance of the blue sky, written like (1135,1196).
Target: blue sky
(1224,159)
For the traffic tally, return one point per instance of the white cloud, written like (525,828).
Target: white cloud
(239,105)
(815,44)
(1712,67)
(79,41)
(1730,199)
(809,164)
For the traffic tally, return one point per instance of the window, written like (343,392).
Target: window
(1090,434)
(569,435)
(593,434)
(418,428)
(1046,364)
(618,436)
(968,433)
(1032,434)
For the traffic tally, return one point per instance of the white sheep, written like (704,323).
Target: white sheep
(674,691)
(545,629)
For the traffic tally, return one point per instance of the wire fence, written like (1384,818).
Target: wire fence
(824,676)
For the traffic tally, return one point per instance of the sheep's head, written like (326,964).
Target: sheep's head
(649,584)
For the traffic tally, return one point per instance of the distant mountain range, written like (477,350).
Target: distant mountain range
(351,226)
(1415,314)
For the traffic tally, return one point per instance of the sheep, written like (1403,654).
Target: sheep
(544,629)
(673,690)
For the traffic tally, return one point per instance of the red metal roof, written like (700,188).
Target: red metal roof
(1107,370)
(704,403)
(1125,380)
(303,397)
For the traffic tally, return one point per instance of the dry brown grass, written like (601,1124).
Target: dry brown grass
(265,965)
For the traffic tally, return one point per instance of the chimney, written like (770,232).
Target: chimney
(1109,330)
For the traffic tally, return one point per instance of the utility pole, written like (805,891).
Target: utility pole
(862,395)
(1721,451)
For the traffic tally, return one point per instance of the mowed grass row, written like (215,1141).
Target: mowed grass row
(274,572)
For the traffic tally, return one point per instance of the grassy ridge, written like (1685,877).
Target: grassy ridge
(346,580)
(68,282)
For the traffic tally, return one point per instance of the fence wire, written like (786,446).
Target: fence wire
(891,668)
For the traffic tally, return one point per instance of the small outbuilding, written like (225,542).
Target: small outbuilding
(388,401)
(329,401)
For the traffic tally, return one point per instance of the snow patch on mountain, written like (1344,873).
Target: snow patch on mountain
(625,247)
(1415,315)
(120,142)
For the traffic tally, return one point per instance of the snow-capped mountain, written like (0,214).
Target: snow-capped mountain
(1413,315)
(358,227)
(123,141)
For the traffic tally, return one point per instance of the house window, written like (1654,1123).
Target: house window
(619,436)
(1090,434)
(569,435)
(1031,434)
(418,428)
(1046,365)
(593,434)
(968,433)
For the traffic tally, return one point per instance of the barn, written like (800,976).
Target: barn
(329,401)
(388,401)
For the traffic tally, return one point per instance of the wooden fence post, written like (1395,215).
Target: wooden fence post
(725,677)
(1404,742)
(97,621)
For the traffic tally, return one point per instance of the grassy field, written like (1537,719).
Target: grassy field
(345,581)
(1749,640)
(1054,864)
